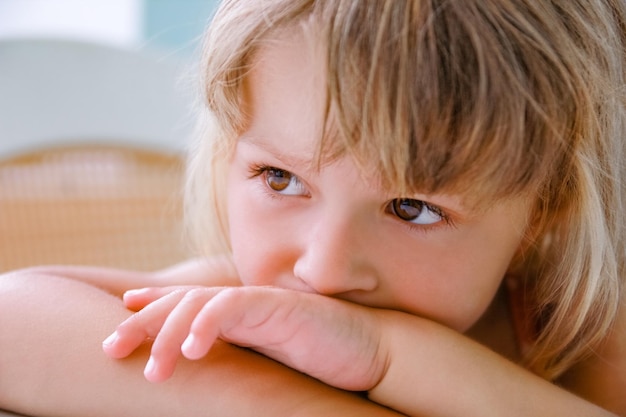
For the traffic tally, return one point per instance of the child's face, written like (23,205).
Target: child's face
(334,231)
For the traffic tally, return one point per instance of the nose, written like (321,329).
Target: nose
(333,258)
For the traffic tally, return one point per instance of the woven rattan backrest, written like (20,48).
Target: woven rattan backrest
(110,206)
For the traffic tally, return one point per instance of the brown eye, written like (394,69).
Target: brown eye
(283,182)
(277,179)
(415,211)
(407,208)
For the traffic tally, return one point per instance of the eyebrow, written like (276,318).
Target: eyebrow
(288,159)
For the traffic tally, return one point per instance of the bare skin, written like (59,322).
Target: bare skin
(72,318)
(602,376)
(71,375)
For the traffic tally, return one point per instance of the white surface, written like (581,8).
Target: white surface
(56,92)
(117,22)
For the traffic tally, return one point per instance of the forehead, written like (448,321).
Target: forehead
(284,93)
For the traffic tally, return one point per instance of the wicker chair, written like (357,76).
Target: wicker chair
(110,206)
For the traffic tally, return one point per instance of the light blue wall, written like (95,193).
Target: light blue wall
(176,25)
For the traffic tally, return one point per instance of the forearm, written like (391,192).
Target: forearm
(437,372)
(52,363)
(215,271)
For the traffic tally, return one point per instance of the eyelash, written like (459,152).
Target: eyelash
(446,220)
(257,170)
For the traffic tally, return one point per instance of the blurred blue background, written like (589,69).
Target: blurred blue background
(176,25)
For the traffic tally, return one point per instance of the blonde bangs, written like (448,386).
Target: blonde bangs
(450,101)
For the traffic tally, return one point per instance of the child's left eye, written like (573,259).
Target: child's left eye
(415,211)
(283,182)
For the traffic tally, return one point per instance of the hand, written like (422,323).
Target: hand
(334,341)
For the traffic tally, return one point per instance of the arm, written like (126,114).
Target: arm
(407,363)
(51,364)
(436,371)
(214,271)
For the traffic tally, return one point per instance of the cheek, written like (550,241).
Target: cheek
(449,294)
(452,281)
(245,237)
(253,235)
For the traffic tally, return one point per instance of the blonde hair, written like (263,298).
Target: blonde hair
(497,97)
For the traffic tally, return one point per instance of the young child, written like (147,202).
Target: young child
(418,200)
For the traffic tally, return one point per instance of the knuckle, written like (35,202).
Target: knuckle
(195,294)
(229,296)
(131,326)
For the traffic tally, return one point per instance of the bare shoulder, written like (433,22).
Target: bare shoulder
(602,377)
(495,329)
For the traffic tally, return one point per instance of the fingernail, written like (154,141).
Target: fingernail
(187,345)
(139,291)
(110,340)
(150,368)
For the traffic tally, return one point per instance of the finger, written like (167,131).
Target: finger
(137,299)
(166,348)
(224,311)
(198,342)
(140,327)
